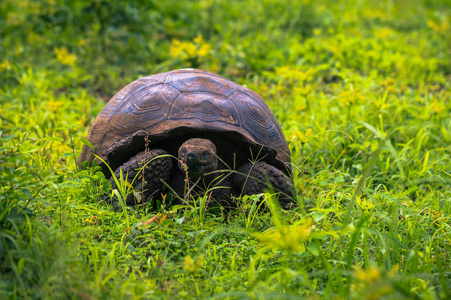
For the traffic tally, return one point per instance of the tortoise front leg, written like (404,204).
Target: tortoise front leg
(149,181)
(222,192)
(257,178)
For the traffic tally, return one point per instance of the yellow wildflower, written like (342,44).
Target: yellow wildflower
(434,87)
(304,91)
(188,50)
(63,56)
(393,271)
(364,204)
(372,283)
(370,275)
(199,39)
(53,105)
(373,14)
(317,31)
(204,50)
(286,237)
(5,66)
(351,96)
(175,50)
(303,137)
(383,33)
(380,103)
(439,27)
(192,266)
(289,72)
(283,71)
(302,76)
(388,82)
(437,107)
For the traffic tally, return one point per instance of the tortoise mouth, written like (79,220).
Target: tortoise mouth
(198,170)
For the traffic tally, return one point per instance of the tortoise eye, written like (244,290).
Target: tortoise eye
(204,155)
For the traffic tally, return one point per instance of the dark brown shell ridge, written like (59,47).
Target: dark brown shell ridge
(172,106)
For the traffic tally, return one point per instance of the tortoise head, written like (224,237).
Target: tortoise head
(199,155)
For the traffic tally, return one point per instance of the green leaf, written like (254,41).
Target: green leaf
(87,143)
(26,193)
(20,265)
(318,216)
(8,137)
(425,162)
(57,139)
(312,248)
(66,155)
(180,220)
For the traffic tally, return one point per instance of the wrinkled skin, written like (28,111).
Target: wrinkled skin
(199,156)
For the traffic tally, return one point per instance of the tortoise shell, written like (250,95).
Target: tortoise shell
(168,108)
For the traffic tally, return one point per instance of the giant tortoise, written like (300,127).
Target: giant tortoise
(226,140)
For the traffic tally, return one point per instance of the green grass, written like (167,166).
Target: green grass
(360,88)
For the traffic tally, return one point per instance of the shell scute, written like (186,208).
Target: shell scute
(204,107)
(184,102)
(203,82)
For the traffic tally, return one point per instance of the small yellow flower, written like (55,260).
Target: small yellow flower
(190,49)
(364,204)
(302,137)
(305,90)
(383,33)
(372,274)
(199,39)
(388,82)
(5,66)
(288,238)
(53,105)
(390,89)
(437,107)
(283,71)
(289,72)
(204,50)
(187,51)
(351,96)
(381,104)
(439,27)
(372,283)
(373,14)
(192,266)
(63,56)
(175,50)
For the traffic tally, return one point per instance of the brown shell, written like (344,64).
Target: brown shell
(180,104)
